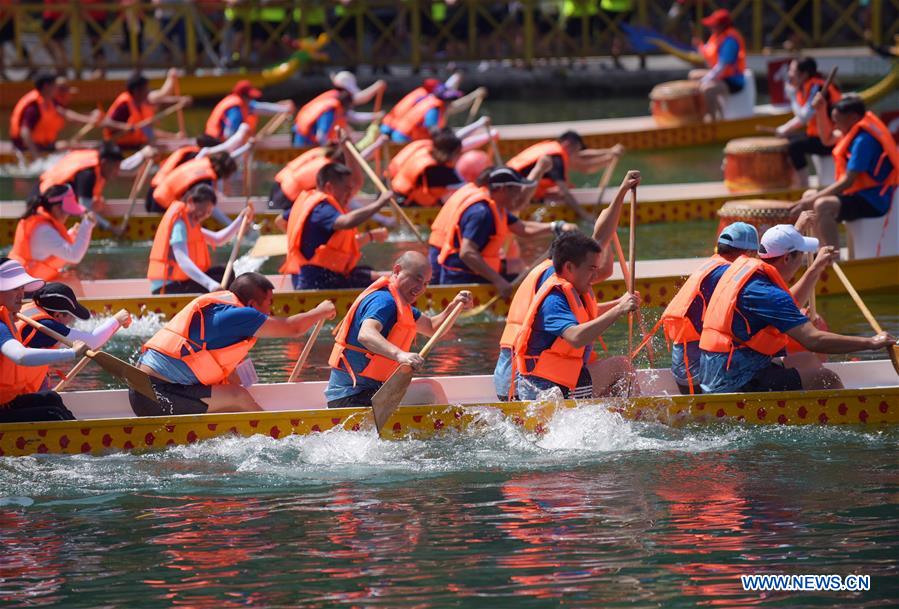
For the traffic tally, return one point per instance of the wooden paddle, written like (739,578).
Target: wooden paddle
(272,125)
(497,157)
(307,349)
(379,156)
(87,128)
(267,246)
(606,178)
(137,379)
(82,363)
(515,283)
(138,185)
(475,107)
(351,148)
(385,401)
(628,282)
(176,107)
(235,247)
(182,131)
(632,266)
(893,351)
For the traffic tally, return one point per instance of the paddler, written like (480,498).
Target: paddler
(39,116)
(867,168)
(241,107)
(319,121)
(803,82)
(474,224)
(568,153)
(204,146)
(300,174)
(682,318)
(753,314)
(180,261)
(725,55)
(323,245)
(603,229)
(423,109)
(554,346)
(21,398)
(42,243)
(198,362)
(423,173)
(87,172)
(129,118)
(374,339)
(56,307)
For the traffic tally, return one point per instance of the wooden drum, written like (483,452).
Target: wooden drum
(758,164)
(761,213)
(676,103)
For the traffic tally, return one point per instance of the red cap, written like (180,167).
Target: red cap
(720,18)
(245,87)
(430,84)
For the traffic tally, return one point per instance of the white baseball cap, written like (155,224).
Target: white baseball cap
(345,80)
(783,239)
(13,275)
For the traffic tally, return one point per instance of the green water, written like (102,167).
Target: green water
(599,512)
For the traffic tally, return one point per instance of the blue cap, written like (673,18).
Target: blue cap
(741,236)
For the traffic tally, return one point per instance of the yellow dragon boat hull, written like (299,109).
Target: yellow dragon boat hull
(872,406)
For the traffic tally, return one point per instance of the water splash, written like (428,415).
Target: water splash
(145,325)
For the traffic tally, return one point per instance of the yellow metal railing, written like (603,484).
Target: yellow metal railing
(377,32)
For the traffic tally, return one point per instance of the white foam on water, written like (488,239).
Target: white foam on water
(248,264)
(145,325)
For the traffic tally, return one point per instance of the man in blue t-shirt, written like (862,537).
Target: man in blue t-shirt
(577,263)
(509,191)
(867,187)
(762,304)
(368,352)
(216,326)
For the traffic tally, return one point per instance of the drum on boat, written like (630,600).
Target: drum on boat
(758,163)
(761,213)
(676,103)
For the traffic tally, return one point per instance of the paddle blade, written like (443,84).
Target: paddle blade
(268,246)
(894,357)
(136,378)
(385,401)
(481,308)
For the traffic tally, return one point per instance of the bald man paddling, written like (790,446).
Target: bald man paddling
(377,333)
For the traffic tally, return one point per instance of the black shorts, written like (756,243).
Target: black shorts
(41,406)
(7,32)
(774,378)
(277,199)
(360,400)
(803,145)
(855,207)
(173,399)
(733,87)
(60,33)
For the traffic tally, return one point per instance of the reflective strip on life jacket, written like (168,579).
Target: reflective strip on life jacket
(402,334)
(525,160)
(48,268)
(210,366)
(562,362)
(340,253)
(179,180)
(842,151)
(48,126)
(162,265)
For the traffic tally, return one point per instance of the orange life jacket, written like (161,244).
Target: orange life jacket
(68,166)
(162,265)
(841,152)
(403,106)
(402,334)
(14,379)
(525,160)
(300,174)
(33,376)
(411,123)
(521,303)
(832,95)
(309,114)
(180,180)
(678,327)
(717,325)
(406,153)
(710,51)
(176,159)
(410,180)
(48,268)
(340,253)
(442,222)
(216,122)
(561,363)
(210,366)
(48,125)
(136,114)
(452,237)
